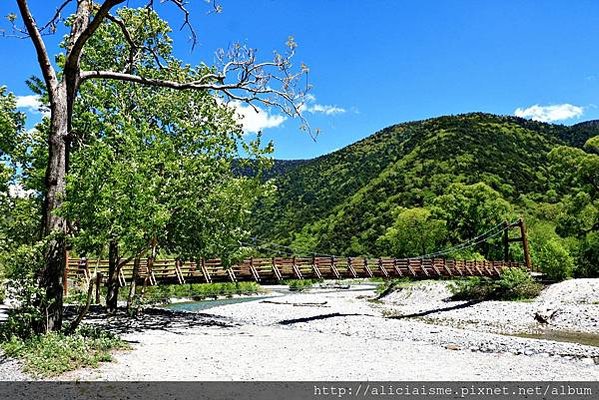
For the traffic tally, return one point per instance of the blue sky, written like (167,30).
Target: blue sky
(376,63)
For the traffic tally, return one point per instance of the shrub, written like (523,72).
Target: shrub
(55,353)
(550,252)
(517,284)
(588,266)
(22,265)
(555,261)
(301,284)
(471,288)
(514,284)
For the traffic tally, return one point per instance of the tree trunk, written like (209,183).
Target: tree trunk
(51,279)
(113,281)
(133,285)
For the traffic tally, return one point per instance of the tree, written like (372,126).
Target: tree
(157,174)
(237,76)
(17,207)
(549,251)
(575,175)
(155,165)
(415,232)
(471,210)
(592,145)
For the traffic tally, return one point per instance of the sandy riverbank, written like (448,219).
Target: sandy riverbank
(338,335)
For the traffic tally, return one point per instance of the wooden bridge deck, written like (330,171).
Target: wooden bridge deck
(277,269)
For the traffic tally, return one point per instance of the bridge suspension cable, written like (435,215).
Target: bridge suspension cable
(489,234)
(493,232)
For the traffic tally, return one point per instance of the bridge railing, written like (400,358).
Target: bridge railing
(277,269)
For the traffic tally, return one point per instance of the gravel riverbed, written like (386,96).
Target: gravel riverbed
(335,334)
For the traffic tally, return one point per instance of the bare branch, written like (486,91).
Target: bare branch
(40,47)
(240,78)
(57,16)
(119,76)
(134,47)
(186,23)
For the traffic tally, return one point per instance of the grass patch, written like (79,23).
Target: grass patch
(301,284)
(199,291)
(55,353)
(514,284)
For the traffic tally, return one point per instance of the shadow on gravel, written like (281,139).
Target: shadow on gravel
(436,310)
(317,317)
(153,319)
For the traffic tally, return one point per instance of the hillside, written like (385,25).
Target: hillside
(343,201)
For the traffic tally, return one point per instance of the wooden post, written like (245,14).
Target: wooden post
(506,242)
(205,272)
(231,273)
(296,269)
(98,285)
(334,268)
(524,237)
(84,263)
(396,268)
(409,262)
(350,268)
(382,268)
(275,269)
(65,277)
(315,267)
(367,268)
(178,272)
(254,271)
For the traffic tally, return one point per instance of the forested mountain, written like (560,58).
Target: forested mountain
(345,202)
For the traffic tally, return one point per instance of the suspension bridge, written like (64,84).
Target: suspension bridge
(285,266)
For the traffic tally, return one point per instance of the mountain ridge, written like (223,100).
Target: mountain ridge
(351,194)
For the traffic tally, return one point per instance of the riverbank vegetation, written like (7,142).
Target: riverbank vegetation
(514,284)
(301,284)
(55,353)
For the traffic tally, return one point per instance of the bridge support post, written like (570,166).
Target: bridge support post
(506,242)
(525,248)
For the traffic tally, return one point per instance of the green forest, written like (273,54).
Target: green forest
(419,187)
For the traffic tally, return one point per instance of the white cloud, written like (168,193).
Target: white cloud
(31,102)
(325,109)
(312,107)
(255,119)
(557,112)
